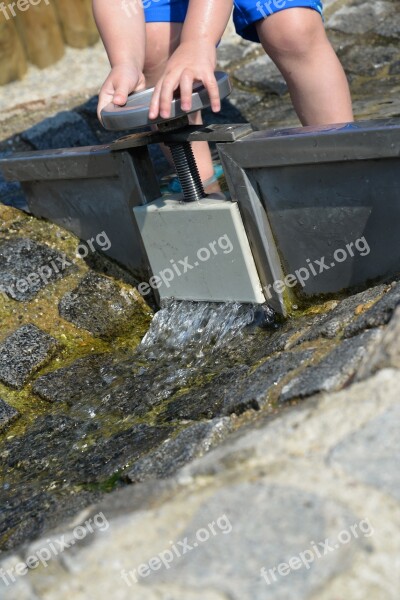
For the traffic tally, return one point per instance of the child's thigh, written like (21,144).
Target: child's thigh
(162,39)
(252,18)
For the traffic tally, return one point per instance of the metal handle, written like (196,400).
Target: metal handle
(135,113)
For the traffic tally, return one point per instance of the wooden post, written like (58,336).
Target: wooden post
(12,57)
(41,33)
(77,22)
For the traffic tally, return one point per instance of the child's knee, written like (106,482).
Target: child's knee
(295,32)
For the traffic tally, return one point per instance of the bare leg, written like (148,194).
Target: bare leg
(162,39)
(296,41)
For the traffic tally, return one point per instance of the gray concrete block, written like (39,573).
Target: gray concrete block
(199,250)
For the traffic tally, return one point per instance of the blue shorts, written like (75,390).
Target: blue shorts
(245,13)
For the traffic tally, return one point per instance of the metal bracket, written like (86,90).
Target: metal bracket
(189,133)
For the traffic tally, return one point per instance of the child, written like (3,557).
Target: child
(171,43)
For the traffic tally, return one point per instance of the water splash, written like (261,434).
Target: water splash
(185,327)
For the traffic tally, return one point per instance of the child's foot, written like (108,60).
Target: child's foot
(211,185)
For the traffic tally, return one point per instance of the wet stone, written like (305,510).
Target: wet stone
(21,519)
(207,401)
(47,446)
(255,391)
(84,378)
(333,371)
(8,414)
(379,314)
(110,455)
(191,443)
(101,306)
(371,455)
(26,514)
(234,391)
(261,73)
(23,352)
(387,352)
(26,267)
(60,447)
(65,130)
(330,325)
(108,384)
(280,337)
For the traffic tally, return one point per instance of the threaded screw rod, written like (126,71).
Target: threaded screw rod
(187,171)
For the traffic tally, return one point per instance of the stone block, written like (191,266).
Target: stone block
(23,352)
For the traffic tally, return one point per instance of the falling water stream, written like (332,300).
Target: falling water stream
(106,407)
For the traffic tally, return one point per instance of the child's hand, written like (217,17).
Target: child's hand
(192,61)
(122,81)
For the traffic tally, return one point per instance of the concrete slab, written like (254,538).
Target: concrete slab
(199,250)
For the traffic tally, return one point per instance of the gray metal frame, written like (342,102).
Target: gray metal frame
(90,190)
(303,192)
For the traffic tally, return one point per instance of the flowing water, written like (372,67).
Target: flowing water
(191,330)
(109,409)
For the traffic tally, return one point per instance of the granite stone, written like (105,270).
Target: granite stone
(75,449)
(361,17)
(206,401)
(235,390)
(26,267)
(379,314)
(256,389)
(100,305)
(386,354)
(8,414)
(331,324)
(367,61)
(72,384)
(23,352)
(191,443)
(334,371)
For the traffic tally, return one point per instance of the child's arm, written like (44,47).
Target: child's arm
(124,37)
(195,58)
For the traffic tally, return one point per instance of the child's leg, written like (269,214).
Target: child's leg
(296,41)
(162,39)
